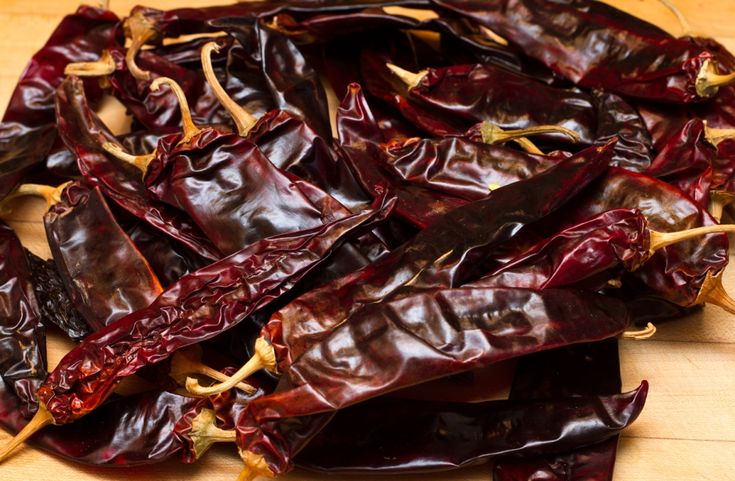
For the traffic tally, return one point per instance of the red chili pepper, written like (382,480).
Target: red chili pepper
(596,51)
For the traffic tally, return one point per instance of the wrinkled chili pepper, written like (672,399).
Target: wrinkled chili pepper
(594,51)
(84,134)
(197,307)
(445,331)
(54,303)
(81,226)
(23,346)
(27,131)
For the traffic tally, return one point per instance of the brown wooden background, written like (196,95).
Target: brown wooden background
(687,430)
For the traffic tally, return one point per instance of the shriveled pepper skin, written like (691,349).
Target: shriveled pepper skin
(400,436)
(592,51)
(197,307)
(22,336)
(82,227)
(84,134)
(432,334)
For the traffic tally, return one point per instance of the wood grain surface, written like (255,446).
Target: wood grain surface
(687,430)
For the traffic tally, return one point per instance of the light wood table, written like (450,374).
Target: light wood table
(687,430)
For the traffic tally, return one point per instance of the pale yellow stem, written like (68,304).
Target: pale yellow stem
(494,134)
(140,30)
(660,240)
(716,136)
(41,419)
(709,80)
(409,78)
(645,333)
(190,128)
(242,118)
(493,36)
(264,357)
(184,363)
(204,432)
(141,162)
(718,200)
(713,292)
(255,465)
(102,67)
(52,195)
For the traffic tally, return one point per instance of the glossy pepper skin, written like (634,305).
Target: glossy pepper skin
(23,346)
(197,307)
(84,134)
(438,333)
(402,436)
(53,300)
(81,226)
(592,51)
(27,131)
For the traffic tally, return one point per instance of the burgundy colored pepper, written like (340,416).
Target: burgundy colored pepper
(438,333)
(85,134)
(27,131)
(197,307)
(23,346)
(594,50)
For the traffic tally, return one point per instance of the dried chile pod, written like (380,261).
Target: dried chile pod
(22,336)
(81,226)
(84,134)
(401,436)
(197,307)
(602,53)
(446,331)
(27,131)
(54,303)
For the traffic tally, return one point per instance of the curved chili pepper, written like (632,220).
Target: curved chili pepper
(53,300)
(27,130)
(197,307)
(81,226)
(445,331)
(84,134)
(602,53)
(23,347)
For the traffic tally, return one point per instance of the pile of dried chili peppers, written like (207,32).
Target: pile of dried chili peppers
(437,276)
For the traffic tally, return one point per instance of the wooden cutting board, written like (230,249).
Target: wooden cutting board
(687,430)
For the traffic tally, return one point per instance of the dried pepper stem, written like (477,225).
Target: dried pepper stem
(52,195)
(242,118)
(645,333)
(255,465)
(716,136)
(718,200)
(139,161)
(409,78)
(494,134)
(41,419)
(710,80)
(659,240)
(263,358)
(140,30)
(204,432)
(493,36)
(184,363)
(190,128)
(714,292)
(102,67)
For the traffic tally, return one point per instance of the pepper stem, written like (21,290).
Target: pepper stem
(41,419)
(52,195)
(204,432)
(409,78)
(104,4)
(263,358)
(102,67)
(718,200)
(187,362)
(713,292)
(494,134)
(255,466)
(717,136)
(139,161)
(140,30)
(709,80)
(493,36)
(190,128)
(660,240)
(645,333)
(242,118)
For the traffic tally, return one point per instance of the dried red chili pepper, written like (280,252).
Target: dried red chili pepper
(55,306)
(27,131)
(603,52)
(196,308)
(81,226)
(85,134)
(401,436)
(445,331)
(23,348)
